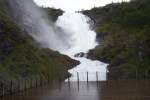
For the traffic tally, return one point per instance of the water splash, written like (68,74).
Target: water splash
(81,39)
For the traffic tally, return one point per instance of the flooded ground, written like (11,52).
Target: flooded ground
(110,90)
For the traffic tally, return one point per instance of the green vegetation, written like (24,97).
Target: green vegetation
(21,57)
(124,32)
(53,13)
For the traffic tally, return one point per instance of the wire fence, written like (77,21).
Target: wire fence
(16,86)
(103,76)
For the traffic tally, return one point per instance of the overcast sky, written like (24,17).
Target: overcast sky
(75,5)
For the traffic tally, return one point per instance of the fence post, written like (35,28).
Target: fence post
(31,83)
(3,90)
(48,79)
(36,84)
(87,77)
(25,85)
(78,80)
(97,78)
(136,74)
(11,87)
(18,85)
(40,81)
(78,76)
(69,81)
(146,73)
(59,83)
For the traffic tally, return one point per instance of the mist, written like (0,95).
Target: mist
(38,24)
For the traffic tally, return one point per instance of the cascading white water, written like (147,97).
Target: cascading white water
(70,35)
(81,39)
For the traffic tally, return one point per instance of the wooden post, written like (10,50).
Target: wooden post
(25,85)
(59,84)
(36,83)
(11,87)
(48,79)
(19,86)
(69,81)
(40,81)
(3,90)
(31,83)
(78,80)
(87,77)
(136,74)
(146,73)
(97,78)
(78,76)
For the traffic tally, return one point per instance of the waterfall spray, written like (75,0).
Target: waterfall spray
(38,24)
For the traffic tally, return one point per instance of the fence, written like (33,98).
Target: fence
(87,76)
(20,85)
(16,86)
(103,76)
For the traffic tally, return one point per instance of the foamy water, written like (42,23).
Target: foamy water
(81,39)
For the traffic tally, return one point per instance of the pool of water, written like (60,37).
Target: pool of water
(106,90)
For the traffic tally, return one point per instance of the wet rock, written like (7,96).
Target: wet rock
(81,54)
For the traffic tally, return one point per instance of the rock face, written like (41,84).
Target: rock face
(124,38)
(22,58)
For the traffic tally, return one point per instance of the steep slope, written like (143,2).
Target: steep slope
(21,57)
(123,32)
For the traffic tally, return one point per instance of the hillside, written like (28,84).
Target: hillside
(123,32)
(21,57)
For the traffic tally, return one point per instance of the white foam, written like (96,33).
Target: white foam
(81,39)
(93,68)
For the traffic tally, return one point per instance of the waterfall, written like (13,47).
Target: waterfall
(70,35)
(81,40)
(81,37)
